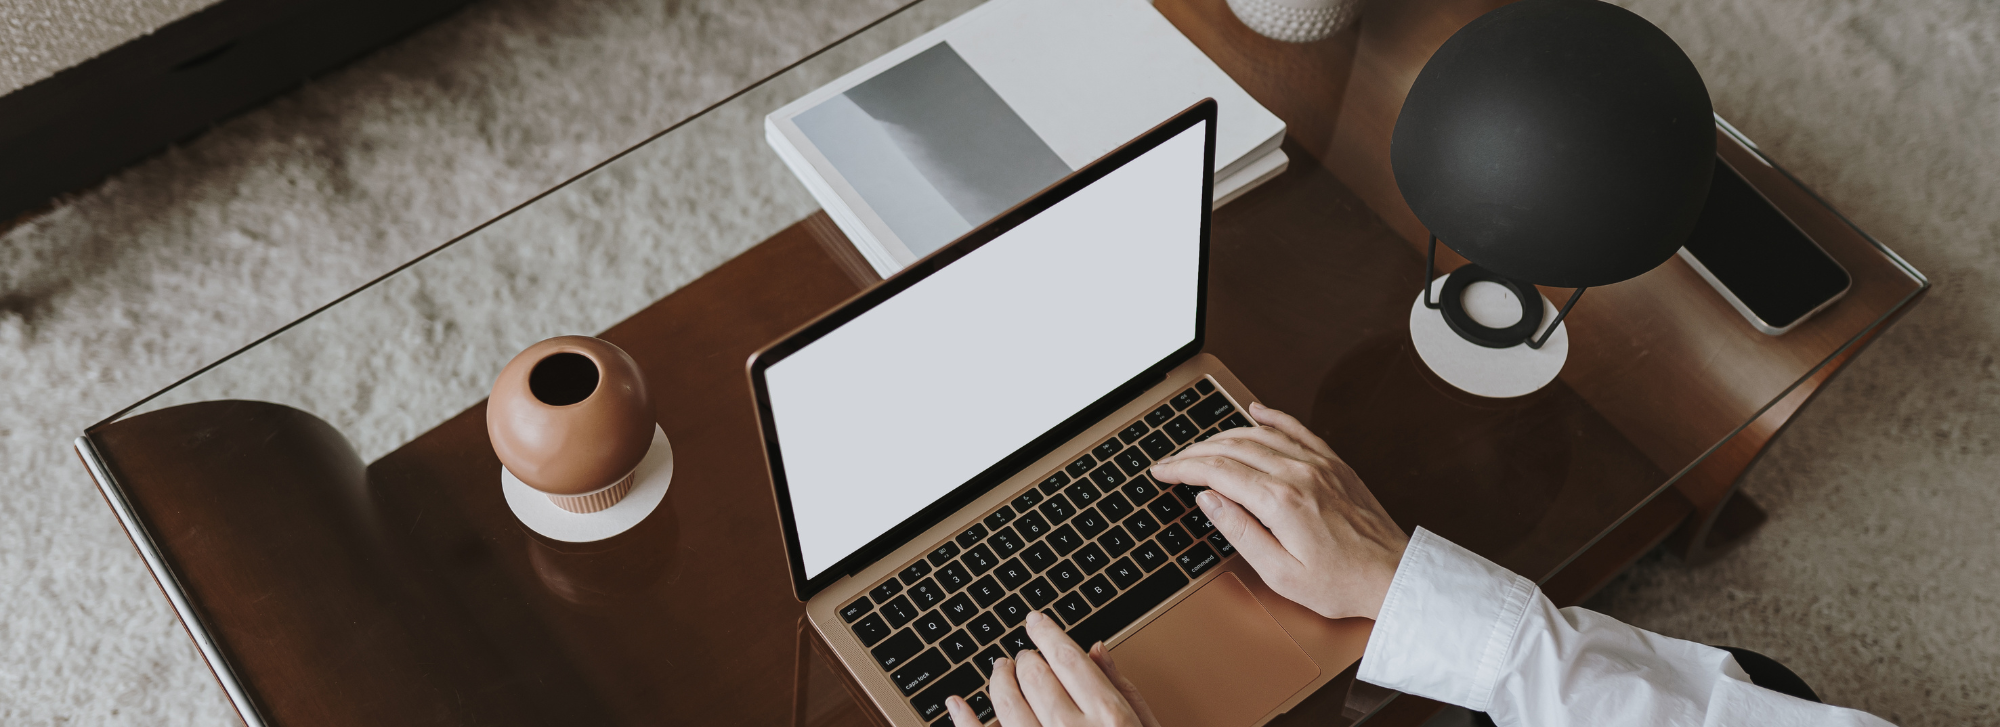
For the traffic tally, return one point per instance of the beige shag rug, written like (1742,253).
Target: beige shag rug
(1877,579)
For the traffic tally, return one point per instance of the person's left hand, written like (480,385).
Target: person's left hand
(1058,686)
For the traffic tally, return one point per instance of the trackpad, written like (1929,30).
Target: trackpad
(1216,659)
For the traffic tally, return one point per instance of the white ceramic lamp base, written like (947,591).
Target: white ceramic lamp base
(649,487)
(1495,373)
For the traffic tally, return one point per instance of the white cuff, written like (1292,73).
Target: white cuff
(1447,625)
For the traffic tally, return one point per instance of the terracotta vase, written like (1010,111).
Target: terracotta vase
(570,417)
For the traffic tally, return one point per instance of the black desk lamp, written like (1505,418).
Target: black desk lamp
(1566,143)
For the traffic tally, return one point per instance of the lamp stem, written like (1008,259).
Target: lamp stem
(1551,330)
(1430,269)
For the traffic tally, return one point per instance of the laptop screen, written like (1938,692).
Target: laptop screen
(901,405)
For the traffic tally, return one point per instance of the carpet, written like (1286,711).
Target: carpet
(1875,578)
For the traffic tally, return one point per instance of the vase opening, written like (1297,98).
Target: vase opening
(563,379)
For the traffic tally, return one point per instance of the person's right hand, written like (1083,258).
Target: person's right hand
(1296,511)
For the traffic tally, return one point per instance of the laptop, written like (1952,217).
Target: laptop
(970,440)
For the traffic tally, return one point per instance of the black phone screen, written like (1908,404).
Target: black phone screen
(1759,255)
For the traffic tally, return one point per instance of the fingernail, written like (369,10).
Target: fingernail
(1035,617)
(1206,499)
(1256,405)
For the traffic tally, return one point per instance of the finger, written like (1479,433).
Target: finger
(1244,484)
(1292,427)
(961,713)
(1278,441)
(1044,690)
(1125,686)
(1086,684)
(1258,455)
(1250,537)
(1009,704)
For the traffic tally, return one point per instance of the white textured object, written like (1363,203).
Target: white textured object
(649,487)
(1296,21)
(1495,373)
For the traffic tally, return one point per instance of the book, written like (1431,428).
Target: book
(915,148)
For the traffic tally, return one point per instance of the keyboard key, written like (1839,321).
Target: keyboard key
(958,646)
(1150,556)
(1198,560)
(1205,386)
(916,571)
(856,609)
(958,609)
(1107,477)
(1027,501)
(1108,448)
(1221,544)
(1012,574)
(1142,525)
(926,594)
(986,591)
(984,661)
(1091,558)
(982,707)
(1032,526)
(1233,421)
(1174,539)
(1115,541)
(1186,399)
(1056,508)
(1124,573)
(888,588)
(1081,465)
(1141,489)
(871,629)
(1211,410)
(1167,509)
(1082,494)
(1132,461)
(1098,590)
(1016,641)
(1065,576)
(944,554)
(920,671)
(971,536)
(1089,523)
(953,577)
(979,559)
(962,682)
(999,517)
(1064,540)
(1038,557)
(1129,606)
(1114,506)
(898,611)
(1039,593)
(1187,493)
(1181,430)
(1005,542)
(898,649)
(1011,611)
(1054,483)
(1197,523)
(932,626)
(986,628)
(1157,445)
(1132,433)
(1072,608)
(1159,416)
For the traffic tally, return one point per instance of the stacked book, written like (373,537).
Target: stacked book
(914,149)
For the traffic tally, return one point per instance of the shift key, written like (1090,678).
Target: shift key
(920,672)
(962,683)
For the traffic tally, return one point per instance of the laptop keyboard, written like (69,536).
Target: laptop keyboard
(1096,545)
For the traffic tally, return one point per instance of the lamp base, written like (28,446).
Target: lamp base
(649,486)
(1494,373)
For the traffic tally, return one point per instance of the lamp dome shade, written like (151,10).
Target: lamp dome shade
(1566,143)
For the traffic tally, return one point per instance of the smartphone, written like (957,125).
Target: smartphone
(1759,261)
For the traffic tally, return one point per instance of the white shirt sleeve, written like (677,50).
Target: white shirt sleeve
(1458,629)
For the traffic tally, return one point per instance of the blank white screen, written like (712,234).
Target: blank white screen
(889,412)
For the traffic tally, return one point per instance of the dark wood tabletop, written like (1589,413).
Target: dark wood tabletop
(403,591)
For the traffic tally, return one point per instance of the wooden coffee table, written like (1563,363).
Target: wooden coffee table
(324,510)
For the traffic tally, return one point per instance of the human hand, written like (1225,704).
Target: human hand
(1296,511)
(1058,685)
